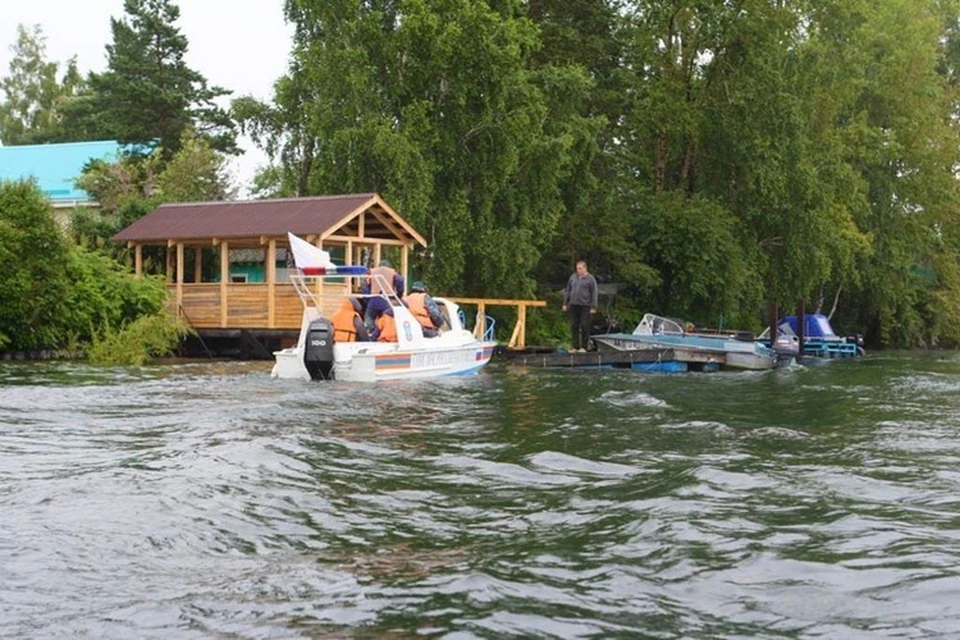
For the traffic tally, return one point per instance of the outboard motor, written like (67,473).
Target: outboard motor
(318,349)
(857,340)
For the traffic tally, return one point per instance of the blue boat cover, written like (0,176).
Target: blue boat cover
(816,326)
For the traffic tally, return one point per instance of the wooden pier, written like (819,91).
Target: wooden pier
(668,360)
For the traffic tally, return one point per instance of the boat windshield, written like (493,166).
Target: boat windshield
(652,325)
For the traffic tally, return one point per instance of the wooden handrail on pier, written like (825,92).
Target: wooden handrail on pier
(518,340)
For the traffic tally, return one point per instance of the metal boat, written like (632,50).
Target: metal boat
(732,350)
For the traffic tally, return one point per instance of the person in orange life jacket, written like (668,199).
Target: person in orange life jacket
(386,330)
(580,300)
(424,309)
(376,305)
(347,324)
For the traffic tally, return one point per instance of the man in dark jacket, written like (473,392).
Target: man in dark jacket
(580,301)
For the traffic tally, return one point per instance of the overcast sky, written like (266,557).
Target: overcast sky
(241,45)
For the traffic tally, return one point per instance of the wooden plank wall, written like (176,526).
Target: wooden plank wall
(247,305)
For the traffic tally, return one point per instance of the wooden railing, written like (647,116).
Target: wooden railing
(518,339)
(248,306)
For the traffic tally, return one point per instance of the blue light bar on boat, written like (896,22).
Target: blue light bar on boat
(336,270)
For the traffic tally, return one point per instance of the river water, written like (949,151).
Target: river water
(197,500)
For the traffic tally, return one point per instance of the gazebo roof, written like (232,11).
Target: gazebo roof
(321,216)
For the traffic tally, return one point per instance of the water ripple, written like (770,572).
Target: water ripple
(200,500)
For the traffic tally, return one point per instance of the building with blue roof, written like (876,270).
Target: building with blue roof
(56,167)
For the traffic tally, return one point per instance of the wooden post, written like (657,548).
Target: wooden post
(138,260)
(404,265)
(348,253)
(515,336)
(376,255)
(179,277)
(197,264)
(224,277)
(522,325)
(271,282)
(169,262)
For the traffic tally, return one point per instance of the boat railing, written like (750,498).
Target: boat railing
(310,289)
(489,324)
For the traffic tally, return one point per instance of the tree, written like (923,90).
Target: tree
(433,104)
(283,131)
(196,173)
(587,35)
(32,256)
(148,94)
(35,92)
(133,186)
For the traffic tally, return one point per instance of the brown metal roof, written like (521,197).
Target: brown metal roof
(254,218)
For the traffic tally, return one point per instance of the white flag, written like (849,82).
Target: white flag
(307,255)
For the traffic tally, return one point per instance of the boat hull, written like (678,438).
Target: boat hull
(727,352)
(371,362)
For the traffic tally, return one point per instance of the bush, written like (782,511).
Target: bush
(155,335)
(33,257)
(102,295)
(56,294)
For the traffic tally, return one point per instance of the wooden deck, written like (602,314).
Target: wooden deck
(240,305)
(276,306)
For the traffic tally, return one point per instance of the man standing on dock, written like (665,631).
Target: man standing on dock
(580,300)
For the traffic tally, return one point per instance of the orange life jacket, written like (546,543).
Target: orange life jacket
(388,275)
(344,327)
(387,325)
(416,302)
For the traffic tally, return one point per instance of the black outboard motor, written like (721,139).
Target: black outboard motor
(318,349)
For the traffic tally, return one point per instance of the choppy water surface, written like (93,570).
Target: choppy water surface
(198,500)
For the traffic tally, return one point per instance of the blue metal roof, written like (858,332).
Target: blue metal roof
(55,166)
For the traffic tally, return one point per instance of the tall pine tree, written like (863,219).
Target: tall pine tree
(148,93)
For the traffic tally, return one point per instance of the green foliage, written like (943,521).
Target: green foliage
(134,185)
(694,245)
(706,157)
(57,294)
(432,104)
(150,336)
(113,184)
(103,295)
(196,173)
(148,94)
(35,92)
(32,255)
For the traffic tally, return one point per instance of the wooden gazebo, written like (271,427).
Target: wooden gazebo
(226,241)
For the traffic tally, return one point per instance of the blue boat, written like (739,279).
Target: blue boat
(819,338)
